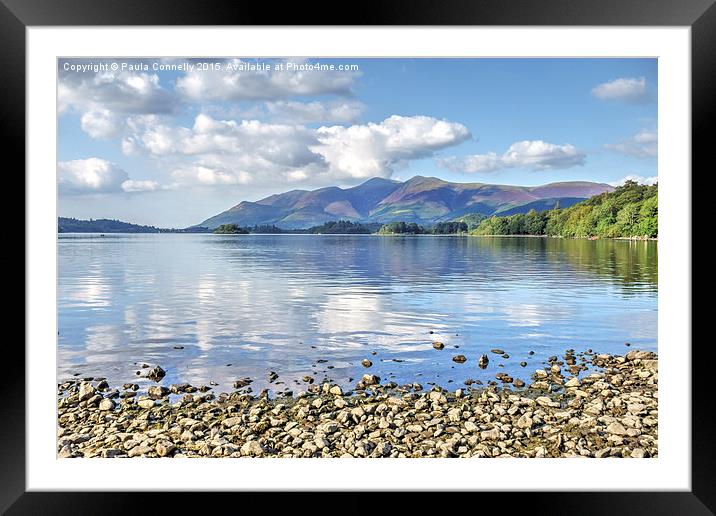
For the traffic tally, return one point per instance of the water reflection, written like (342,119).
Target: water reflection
(282,302)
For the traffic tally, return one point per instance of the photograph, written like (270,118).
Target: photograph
(357,257)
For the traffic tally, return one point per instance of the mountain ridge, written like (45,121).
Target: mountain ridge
(420,199)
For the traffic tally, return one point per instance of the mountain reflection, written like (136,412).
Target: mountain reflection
(217,308)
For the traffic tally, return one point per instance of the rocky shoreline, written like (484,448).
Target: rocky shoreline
(611,411)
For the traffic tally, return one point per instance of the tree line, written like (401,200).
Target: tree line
(412,228)
(631,210)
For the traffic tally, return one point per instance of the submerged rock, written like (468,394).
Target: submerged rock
(483,362)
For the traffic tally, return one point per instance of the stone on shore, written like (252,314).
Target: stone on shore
(610,412)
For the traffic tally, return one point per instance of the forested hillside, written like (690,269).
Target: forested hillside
(630,210)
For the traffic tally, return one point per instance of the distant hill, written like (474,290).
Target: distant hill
(69,225)
(423,200)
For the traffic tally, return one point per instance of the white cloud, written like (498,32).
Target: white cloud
(103,98)
(644,144)
(132,186)
(636,178)
(534,154)
(100,123)
(98,176)
(242,84)
(119,92)
(362,151)
(314,112)
(93,175)
(626,89)
(224,152)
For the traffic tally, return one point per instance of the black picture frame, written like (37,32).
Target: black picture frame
(700,15)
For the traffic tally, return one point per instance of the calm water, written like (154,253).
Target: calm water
(283,302)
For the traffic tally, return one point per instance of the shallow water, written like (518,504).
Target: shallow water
(283,302)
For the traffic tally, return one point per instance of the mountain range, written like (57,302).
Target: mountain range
(424,200)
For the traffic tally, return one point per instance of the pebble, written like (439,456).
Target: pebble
(460,359)
(438,345)
(610,413)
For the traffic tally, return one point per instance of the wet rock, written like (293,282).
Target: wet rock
(460,359)
(272,376)
(483,362)
(157,392)
(103,386)
(518,383)
(366,363)
(370,379)
(243,382)
(438,345)
(156,373)
(497,351)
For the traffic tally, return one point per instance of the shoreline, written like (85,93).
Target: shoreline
(563,412)
(635,238)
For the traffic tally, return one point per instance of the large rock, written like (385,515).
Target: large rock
(106,404)
(370,379)
(86,391)
(145,403)
(156,373)
(157,392)
(164,448)
(252,448)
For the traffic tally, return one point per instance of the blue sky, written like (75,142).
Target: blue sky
(159,142)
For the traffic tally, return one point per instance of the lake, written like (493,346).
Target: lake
(244,305)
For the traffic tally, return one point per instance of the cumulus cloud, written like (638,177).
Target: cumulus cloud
(644,144)
(97,176)
(93,175)
(638,179)
(100,123)
(534,154)
(242,84)
(104,98)
(314,112)
(625,89)
(374,149)
(223,152)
